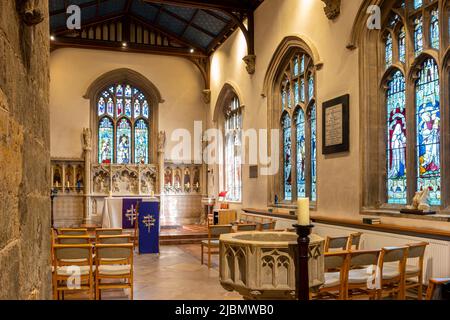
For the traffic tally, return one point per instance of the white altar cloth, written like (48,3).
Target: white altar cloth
(112,211)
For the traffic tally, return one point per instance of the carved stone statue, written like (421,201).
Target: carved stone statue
(332,8)
(87,139)
(31,14)
(420,201)
(161,141)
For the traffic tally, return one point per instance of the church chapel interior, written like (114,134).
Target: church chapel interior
(224,149)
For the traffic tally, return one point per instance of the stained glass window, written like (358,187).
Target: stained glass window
(388,50)
(123,142)
(313,154)
(402,45)
(296,93)
(434,29)
(418,35)
(417,4)
(233,154)
(141,142)
(302,89)
(105,140)
(296,67)
(428,125)
(123,136)
(310,88)
(396,140)
(301,154)
(287,164)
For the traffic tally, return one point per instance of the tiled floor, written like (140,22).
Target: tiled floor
(176,274)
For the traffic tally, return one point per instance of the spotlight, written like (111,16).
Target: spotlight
(52,38)
(192,50)
(124,44)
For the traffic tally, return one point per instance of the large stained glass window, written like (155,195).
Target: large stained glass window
(233,154)
(298,130)
(123,131)
(396,140)
(287,151)
(428,130)
(301,153)
(105,140)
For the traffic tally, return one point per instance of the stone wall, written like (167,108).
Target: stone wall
(24,156)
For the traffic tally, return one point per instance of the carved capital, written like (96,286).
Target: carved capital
(30,15)
(206,95)
(250,61)
(332,8)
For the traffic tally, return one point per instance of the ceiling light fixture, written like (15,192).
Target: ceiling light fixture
(52,38)
(124,44)
(192,50)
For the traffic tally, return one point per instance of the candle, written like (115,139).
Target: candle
(68,184)
(303,212)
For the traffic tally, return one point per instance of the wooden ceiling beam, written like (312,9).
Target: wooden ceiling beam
(82,6)
(237,5)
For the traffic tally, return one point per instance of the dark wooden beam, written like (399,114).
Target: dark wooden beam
(91,22)
(237,5)
(82,6)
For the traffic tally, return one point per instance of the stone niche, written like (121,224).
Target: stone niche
(260,265)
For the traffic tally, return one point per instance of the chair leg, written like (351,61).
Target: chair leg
(97,290)
(202,254)
(420,288)
(209,257)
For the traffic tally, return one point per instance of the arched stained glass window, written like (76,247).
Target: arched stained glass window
(313,120)
(389,50)
(434,29)
(287,151)
(123,135)
(396,140)
(418,35)
(402,45)
(141,142)
(301,153)
(428,125)
(105,140)
(123,142)
(233,153)
(298,130)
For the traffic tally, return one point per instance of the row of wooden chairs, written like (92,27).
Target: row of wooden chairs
(82,266)
(352,241)
(374,273)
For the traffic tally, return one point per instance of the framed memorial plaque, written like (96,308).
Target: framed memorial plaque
(336,125)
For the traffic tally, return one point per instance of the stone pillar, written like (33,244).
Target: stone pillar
(87,147)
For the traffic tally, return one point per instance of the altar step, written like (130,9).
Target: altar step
(189,234)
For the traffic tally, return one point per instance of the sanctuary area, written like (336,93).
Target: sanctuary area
(224,150)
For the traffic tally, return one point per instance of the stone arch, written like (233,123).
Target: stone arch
(228,91)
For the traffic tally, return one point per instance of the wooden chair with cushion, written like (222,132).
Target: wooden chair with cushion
(214,233)
(336,243)
(336,280)
(115,239)
(354,241)
(392,271)
(245,227)
(71,239)
(415,268)
(362,273)
(433,286)
(72,269)
(72,231)
(114,262)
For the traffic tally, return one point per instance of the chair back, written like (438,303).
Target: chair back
(417,250)
(108,231)
(217,230)
(364,258)
(114,239)
(340,243)
(73,231)
(267,225)
(114,253)
(394,254)
(71,239)
(245,227)
(336,260)
(354,241)
(73,254)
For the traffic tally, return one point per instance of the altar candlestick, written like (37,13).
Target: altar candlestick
(303,212)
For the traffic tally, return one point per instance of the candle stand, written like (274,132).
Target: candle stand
(301,262)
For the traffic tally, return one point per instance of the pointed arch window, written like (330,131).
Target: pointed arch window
(123,131)
(298,130)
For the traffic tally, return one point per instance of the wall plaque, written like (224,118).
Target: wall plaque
(336,127)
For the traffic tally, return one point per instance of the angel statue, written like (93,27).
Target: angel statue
(420,201)
(87,139)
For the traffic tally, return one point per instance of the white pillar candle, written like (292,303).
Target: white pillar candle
(303,212)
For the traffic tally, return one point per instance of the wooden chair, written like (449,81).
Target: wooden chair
(214,233)
(108,231)
(113,262)
(354,241)
(362,274)
(245,227)
(433,285)
(415,271)
(115,239)
(72,231)
(70,239)
(267,226)
(70,262)
(336,280)
(337,243)
(392,276)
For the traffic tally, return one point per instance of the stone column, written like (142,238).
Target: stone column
(87,147)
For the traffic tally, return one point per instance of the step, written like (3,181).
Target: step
(178,241)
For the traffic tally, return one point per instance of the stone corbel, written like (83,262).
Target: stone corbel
(206,96)
(250,62)
(29,12)
(332,8)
